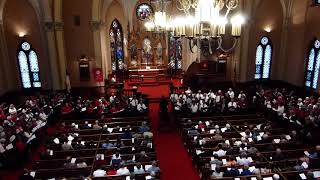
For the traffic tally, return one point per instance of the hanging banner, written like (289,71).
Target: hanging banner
(98,74)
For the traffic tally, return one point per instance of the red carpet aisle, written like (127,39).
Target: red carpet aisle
(175,163)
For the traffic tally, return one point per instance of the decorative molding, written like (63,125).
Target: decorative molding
(58,26)
(96,25)
(48,26)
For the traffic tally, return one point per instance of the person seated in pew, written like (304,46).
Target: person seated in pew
(178,105)
(119,143)
(188,91)
(220,152)
(153,176)
(232,105)
(203,107)
(91,144)
(116,159)
(62,128)
(230,149)
(216,160)
(96,125)
(74,127)
(68,164)
(144,129)
(193,131)
(66,109)
(138,169)
(141,107)
(231,172)
(276,177)
(231,161)
(111,171)
(100,172)
(86,125)
(299,166)
(246,171)
(26,175)
(82,164)
(217,173)
(316,154)
(154,168)
(66,146)
(107,144)
(131,159)
(217,136)
(127,133)
(278,155)
(143,157)
(194,107)
(243,159)
(251,149)
(79,144)
(228,126)
(123,170)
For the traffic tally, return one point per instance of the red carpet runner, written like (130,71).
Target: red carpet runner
(175,162)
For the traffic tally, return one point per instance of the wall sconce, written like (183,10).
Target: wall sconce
(267,29)
(21,34)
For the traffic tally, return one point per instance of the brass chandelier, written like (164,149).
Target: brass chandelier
(203,19)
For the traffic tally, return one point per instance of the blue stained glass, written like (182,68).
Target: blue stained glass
(33,59)
(259,54)
(308,83)
(25,46)
(116,45)
(316,72)
(264,41)
(24,70)
(311,60)
(120,54)
(317,43)
(175,52)
(309,74)
(263,59)
(35,77)
(258,69)
(37,84)
(266,63)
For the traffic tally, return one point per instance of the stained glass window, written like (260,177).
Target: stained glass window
(28,66)
(116,45)
(144,11)
(263,59)
(175,52)
(313,65)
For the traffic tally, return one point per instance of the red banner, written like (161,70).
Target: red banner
(98,74)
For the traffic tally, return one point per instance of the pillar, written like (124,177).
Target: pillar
(52,55)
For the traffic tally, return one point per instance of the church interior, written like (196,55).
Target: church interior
(159,89)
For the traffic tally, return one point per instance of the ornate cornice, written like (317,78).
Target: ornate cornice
(96,25)
(53,26)
(48,26)
(58,26)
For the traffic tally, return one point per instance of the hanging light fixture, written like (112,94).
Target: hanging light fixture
(159,22)
(207,21)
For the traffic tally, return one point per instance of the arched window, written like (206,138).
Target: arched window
(263,59)
(116,45)
(313,65)
(175,52)
(28,66)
